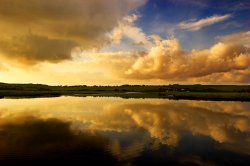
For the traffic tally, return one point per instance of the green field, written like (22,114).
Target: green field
(175,91)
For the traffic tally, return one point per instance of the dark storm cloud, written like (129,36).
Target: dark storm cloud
(63,23)
(32,48)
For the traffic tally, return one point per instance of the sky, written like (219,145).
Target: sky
(114,42)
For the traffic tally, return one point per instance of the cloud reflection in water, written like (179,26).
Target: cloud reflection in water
(135,127)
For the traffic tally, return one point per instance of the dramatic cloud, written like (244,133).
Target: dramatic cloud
(126,28)
(165,62)
(63,24)
(168,61)
(194,24)
(119,31)
(36,48)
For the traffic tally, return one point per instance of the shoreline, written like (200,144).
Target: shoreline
(175,92)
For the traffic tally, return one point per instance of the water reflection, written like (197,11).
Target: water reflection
(51,140)
(134,131)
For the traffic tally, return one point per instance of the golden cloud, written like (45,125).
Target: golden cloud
(36,48)
(168,61)
(239,38)
(236,76)
(57,26)
(164,63)
(127,28)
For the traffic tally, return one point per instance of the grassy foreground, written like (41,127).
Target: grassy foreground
(175,91)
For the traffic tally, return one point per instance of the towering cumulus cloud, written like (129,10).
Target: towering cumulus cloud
(48,30)
(116,42)
(167,60)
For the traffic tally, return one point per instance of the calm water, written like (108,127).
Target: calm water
(117,131)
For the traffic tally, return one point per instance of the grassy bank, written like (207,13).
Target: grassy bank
(195,92)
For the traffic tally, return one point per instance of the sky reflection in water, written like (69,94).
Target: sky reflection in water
(122,131)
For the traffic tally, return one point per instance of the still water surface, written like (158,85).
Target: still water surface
(115,131)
